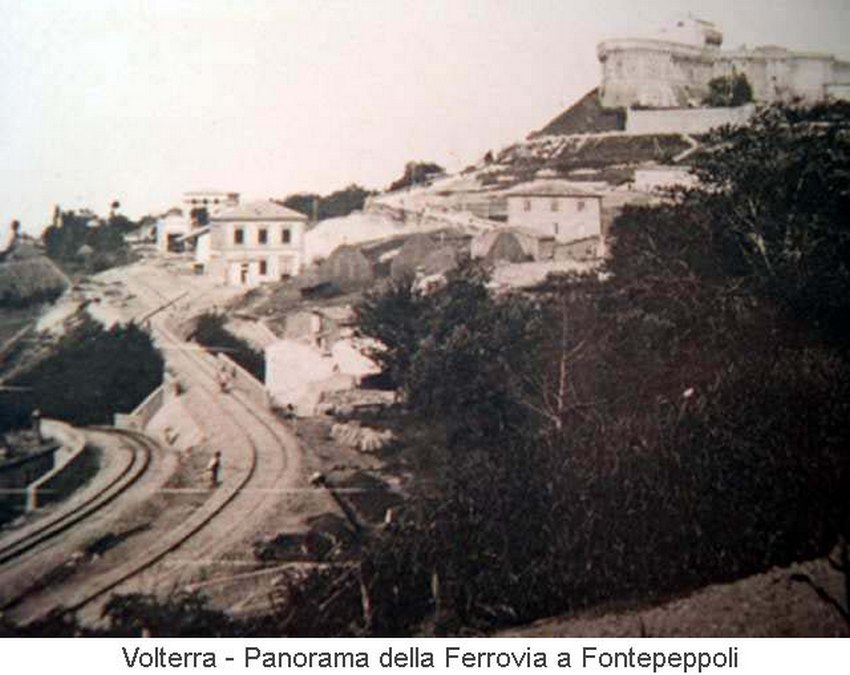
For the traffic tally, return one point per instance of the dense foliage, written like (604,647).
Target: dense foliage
(729,92)
(416,173)
(28,282)
(686,419)
(455,353)
(92,374)
(211,333)
(80,241)
(334,205)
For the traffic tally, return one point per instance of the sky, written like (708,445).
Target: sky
(139,101)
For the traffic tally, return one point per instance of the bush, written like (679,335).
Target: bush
(211,333)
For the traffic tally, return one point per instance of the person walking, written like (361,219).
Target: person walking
(213,468)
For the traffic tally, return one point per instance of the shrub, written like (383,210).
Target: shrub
(211,333)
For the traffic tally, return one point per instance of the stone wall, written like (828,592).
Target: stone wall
(138,419)
(662,74)
(17,474)
(685,121)
(60,483)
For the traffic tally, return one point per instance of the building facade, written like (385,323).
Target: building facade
(556,208)
(253,243)
(673,69)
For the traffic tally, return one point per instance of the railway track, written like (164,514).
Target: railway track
(261,469)
(231,407)
(58,523)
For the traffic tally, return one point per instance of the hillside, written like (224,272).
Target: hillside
(586,116)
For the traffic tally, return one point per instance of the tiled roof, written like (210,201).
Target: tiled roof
(550,188)
(259,210)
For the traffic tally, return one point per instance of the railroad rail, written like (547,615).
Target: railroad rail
(58,523)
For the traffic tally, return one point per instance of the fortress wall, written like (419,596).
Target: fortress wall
(662,74)
(684,121)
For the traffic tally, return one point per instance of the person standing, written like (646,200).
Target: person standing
(213,468)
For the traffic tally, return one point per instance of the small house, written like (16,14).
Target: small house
(558,208)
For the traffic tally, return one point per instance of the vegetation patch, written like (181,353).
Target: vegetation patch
(92,374)
(211,333)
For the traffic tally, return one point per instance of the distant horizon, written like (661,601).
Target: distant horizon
(142,103)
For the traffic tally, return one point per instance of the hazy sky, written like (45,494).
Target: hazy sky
(142,100)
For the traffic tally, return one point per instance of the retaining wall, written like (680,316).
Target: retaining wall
(143,413)
(685,120)
(75,463)
(17,474)
(244,382)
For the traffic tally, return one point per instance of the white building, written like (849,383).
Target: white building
(252,243)
(178,226)
(211,200)
(170,231)
(558,208)
(658,179)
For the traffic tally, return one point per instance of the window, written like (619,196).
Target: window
(238,236)
(262,236)
(580,205)
(555,205)
(264,267)
(526,206)
(286,235)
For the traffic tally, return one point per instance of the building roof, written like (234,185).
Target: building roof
(258,210)
(550,188)
(197,232)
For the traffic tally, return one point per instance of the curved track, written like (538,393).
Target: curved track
(262,464)
(244,494)
(59,522)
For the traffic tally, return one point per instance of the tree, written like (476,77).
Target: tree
(416,173)
(92,374)
(72,231)
(775,194)
(394,317)
(334,205)
(729,91)
(456,352)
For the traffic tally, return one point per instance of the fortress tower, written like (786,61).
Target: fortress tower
(673,69)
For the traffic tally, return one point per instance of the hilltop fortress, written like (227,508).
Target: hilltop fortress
(673,69)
